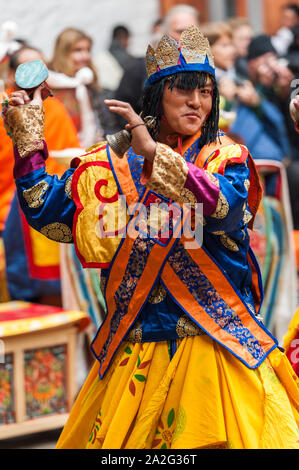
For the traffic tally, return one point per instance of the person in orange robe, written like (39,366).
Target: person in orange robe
(61,134)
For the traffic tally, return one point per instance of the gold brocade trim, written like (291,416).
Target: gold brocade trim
(167,53)
(222,207)
(186,197)
(212,178)
(186,327)
(158,294)
(169,173)
(247,216)
(26,124)
(58,232)
(33,196)
(68,187)
(150,61)
(135,335)
(103,282)
(247,184)
(251,308)
(96,146)
(193,45)
(227,241)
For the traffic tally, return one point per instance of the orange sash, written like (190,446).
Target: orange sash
(191,276)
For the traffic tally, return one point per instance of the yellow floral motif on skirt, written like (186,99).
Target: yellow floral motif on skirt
(58,232)
(203,397)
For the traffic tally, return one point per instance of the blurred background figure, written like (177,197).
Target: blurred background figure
(119,45)
(263,95)
(8,45)
(284,36)
(220,37)
(178,19)
(131,85)
(157,32)
(223,49)
(242,34)
(32,263)
(112,63)
(73,79)
(292,55)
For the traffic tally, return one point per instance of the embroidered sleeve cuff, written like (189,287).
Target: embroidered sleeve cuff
(169,173)
(26,124)
(23,166)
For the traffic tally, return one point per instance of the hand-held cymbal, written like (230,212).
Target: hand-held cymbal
(31,74)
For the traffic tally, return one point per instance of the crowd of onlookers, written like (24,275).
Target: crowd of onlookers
(250,69)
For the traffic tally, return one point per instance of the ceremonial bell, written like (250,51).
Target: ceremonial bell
(120,142)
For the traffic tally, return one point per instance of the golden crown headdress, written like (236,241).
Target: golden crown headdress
(191,53)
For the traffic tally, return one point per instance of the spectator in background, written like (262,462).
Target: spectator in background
(119,45)
(259,101)
(55,114)
(73,78)
(272,79)
(112,63)
(242,34)
(130,88)
(157,31)
(292,55)
(220,38)
(32,261)
(284,36)
(178,19)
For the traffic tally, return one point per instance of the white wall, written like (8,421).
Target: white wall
(40,21)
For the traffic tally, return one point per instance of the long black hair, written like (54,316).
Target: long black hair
(152,101)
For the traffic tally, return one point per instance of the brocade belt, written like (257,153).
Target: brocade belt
(185,327)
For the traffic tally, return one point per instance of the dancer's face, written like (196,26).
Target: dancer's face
(187,110)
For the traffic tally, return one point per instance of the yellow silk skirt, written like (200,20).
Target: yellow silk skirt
(203,397)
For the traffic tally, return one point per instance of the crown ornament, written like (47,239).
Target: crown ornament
(191,53)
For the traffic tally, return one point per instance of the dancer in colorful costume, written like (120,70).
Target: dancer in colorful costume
(182,358)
